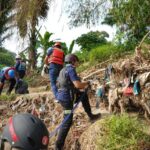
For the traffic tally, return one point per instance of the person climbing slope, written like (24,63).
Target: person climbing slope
(69,93)
(55,60)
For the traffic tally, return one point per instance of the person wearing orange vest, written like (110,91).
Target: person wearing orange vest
(55,60)
(8,73)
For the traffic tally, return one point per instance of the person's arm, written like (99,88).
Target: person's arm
(46,60)
(49,52)
(76,81)
(80,85)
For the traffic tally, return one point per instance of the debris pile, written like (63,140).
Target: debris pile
(43,106)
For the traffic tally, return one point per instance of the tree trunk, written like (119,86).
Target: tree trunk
(32,50)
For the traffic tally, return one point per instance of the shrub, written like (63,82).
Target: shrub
(122,133)
(103,52)
(10,97)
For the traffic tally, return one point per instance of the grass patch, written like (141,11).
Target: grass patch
(122,133)
(85,66)
(10,97)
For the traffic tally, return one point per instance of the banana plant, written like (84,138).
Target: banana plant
(44,43)
(68,50)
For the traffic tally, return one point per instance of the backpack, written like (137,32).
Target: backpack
(64,80)
(21,87)
(22,66)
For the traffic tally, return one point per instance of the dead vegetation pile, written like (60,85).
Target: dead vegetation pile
(43,106)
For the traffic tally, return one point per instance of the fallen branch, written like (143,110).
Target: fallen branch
(100,64)
(144,38)
(94,73)
(143,68)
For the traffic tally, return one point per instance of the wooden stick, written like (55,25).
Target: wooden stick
(103,62)
(96,72)
(143,68)
(144,38)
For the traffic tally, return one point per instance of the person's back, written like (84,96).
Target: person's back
(20,67)
(24,132)
(55,60)
(8,73)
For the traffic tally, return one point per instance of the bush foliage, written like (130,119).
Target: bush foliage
(122,133)
(6,58)
(104,52)
(99,54)
(10,97)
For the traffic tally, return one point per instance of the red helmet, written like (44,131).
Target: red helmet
(71,58)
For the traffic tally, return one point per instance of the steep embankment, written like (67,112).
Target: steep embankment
(83,134)
(41,103)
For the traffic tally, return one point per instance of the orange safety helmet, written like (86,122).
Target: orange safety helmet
(57,44)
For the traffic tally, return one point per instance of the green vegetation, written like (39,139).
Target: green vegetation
(44,43)
(99,54)
(5,17)
(28,14)
(68,50)
(122,133)
(106,52)
(6,58)
(10,97)
(130,17)
(91,40)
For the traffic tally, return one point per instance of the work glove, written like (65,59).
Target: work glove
(46,68)
(89,84)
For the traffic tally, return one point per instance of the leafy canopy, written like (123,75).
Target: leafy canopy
(6,58)
(132,17)
(5,17)
(92,39)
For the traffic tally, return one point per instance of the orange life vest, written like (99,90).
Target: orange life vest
(56,57)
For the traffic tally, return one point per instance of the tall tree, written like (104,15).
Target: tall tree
(132,17)
(29,12)
(92,39)
(5,17)
(86,12)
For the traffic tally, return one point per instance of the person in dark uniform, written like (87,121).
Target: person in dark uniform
(69,92)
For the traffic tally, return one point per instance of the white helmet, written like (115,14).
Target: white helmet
(18,57)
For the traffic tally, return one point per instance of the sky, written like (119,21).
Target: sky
(60,29)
